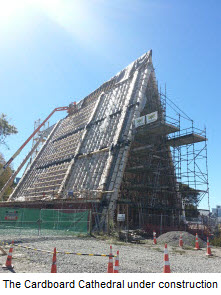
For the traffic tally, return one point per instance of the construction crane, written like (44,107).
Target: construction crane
(71,108)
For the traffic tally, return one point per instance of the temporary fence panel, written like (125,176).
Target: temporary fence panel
(18,217)
(65,220)
(43,221)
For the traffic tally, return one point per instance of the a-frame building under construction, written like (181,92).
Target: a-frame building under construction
(115,152)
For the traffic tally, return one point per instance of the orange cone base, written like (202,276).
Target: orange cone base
(208,252)
(7,267)
(166,269)
(197,247)
(110,268)
(53,270)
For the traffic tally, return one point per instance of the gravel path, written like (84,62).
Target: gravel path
(134,258)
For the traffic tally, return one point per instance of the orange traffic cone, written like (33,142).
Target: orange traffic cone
(208,251)
(166,267)
(197,247)
(8,263)
(54,266)
(110,267)
(116,267)
(154,238)
(181,241)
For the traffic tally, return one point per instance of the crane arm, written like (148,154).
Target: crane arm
(30,137)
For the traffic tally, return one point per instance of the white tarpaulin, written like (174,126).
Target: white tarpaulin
(131,68)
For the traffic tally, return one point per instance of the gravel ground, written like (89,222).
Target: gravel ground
(134,258)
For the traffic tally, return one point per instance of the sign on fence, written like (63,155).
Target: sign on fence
(120,217)
(11,215)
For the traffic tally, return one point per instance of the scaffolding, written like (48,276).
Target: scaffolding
(167,165)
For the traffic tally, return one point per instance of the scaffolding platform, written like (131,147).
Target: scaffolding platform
(186,139)
(159,128)
(188,192)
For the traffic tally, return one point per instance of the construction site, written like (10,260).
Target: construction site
(124,156)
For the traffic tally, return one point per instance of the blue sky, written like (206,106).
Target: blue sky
(53,52)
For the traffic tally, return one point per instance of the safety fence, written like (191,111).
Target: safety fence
(8,265)
(44,222)
(61,252)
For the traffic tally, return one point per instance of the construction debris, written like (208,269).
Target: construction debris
(130,236)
